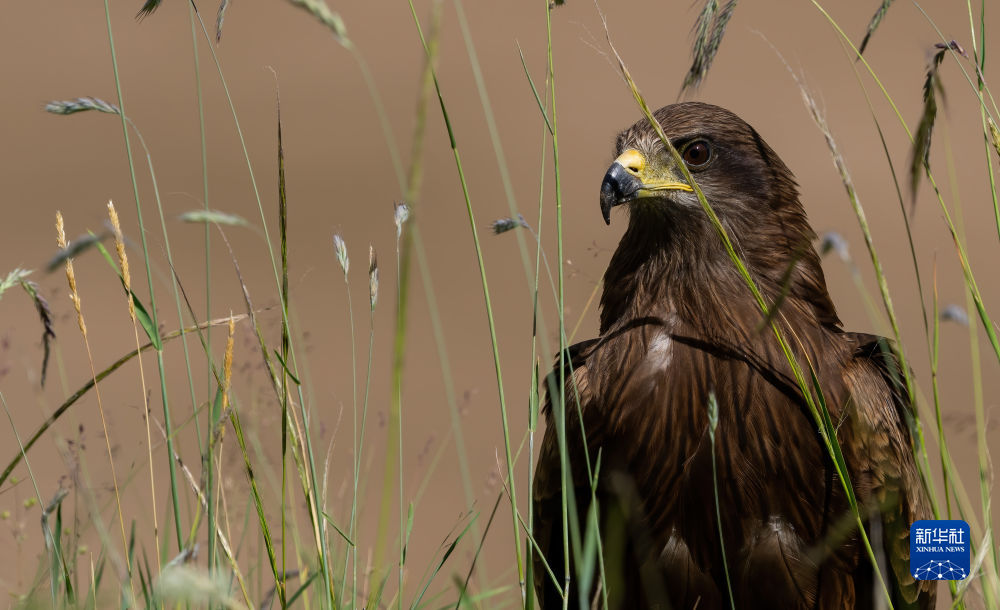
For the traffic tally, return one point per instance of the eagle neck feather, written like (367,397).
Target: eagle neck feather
(676,263)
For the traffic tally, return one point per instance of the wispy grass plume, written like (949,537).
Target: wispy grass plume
(327,17)
(401,213)
(955,313)
(876,19)
(372,276)
(74,294)
(220,18)
(81,104)
(340,248)
(214,216)
(708,33)
(922,139)
(13,279)
(45,315)
(831,241)
(187,585)
(148,8)
(18,277)
(502,225)
(122,257)
(994,134)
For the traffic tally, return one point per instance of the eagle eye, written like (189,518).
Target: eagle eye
(697,154)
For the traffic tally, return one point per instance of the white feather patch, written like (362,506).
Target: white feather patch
(660,348)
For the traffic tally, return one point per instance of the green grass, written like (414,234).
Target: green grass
(286,540)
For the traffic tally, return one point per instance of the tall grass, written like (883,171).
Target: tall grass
(294,536)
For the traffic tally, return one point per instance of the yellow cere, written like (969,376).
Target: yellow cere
(654,177)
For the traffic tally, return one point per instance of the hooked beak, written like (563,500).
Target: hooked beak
(630,178)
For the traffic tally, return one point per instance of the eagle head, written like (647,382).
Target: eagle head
(739,174)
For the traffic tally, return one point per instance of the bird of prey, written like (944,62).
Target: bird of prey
(679,326)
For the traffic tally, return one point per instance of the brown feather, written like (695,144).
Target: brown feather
(678,324)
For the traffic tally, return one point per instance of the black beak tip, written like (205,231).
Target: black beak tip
(607,202)
(616,188)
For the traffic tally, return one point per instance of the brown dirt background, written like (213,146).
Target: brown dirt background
(340,180)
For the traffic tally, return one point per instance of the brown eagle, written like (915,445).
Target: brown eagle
(680,328)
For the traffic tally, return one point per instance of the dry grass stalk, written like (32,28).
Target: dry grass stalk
(116,229)
(227,363)
(227,382)
(74,296)
(224,537)
(147,8)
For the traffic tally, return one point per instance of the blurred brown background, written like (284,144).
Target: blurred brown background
(341,180)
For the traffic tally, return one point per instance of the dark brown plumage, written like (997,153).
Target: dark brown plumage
(678,324)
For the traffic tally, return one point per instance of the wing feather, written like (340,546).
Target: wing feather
(885,466)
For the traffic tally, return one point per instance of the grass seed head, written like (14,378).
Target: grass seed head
(60,231)
(327,17)
(372,276)
(45,314)
(215,217)
(219,19)
(956,314)
(400,215)
(873,24)
(832,241)
(227,383)
(74,295)
(933,87)
(502,225)
(994,134)
(341,249)
(116,227)
(13,279)
(708,33)
(81,104)
(227,363)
